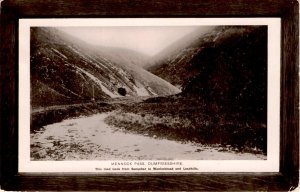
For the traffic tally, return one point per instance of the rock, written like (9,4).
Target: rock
(42,153)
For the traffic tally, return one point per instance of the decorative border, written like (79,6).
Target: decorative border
(285,179)
(271,164)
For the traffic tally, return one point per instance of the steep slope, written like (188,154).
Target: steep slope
(66,70)
(175,64)
(170,64)
(171,52)
(224,92)
(226,68)
(132,63)
(231,71)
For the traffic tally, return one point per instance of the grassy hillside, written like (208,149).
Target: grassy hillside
(232,73)
(65,70)
(175,63)
(224,93)
(187,119)
(227,67)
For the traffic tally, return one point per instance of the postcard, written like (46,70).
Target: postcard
(141,95)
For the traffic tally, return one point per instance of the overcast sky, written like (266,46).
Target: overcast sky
(148,40)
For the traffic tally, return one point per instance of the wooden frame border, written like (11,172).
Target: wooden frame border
(286,179)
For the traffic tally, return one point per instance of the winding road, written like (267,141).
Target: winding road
(90,138)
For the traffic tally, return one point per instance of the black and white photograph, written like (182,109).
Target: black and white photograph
(199,93)
(148,93)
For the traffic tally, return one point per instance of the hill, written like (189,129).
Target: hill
(66,70)
(227,65)
(224,93)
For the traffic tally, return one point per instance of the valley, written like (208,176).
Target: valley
(204,97)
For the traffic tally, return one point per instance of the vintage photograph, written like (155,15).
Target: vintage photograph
(148,93)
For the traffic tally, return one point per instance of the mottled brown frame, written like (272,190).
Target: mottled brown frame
(285,179)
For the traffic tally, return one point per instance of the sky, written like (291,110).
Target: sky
(147,40)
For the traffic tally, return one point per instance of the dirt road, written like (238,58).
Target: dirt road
(90,138)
